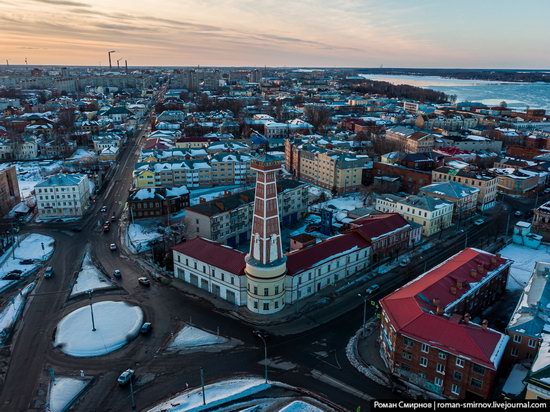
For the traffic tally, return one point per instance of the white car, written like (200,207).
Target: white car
(112,246)
(479,222)
(404,261)
(125,377)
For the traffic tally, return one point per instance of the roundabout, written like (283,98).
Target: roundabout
(98,329)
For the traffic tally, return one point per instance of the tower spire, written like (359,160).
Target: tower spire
(265,262)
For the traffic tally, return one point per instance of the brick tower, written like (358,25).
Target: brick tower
(265,262)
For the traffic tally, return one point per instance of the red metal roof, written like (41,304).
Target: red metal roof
(303,259)
(377,225)
(214,254)
(412,311)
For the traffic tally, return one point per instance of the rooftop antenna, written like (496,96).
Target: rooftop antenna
(26,63)
(109,53)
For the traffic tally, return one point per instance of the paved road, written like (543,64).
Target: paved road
(314,360)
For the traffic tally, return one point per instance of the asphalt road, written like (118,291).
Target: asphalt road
(314,360)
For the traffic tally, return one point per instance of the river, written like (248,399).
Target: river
(518,95)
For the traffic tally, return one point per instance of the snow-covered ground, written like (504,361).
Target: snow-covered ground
(116,324)
(89,277)
(514,385)
(216,394)
(29,174)
(300,406)
(34,247)
(64,391)
(524,262)
(347,203)
(12,310)
(190,337)
(140,235)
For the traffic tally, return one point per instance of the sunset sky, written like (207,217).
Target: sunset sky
(395,33)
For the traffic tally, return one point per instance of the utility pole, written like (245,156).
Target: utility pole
(257,333)
(364,312)
(507,228)
(92,309)
(132,398)
(202,385)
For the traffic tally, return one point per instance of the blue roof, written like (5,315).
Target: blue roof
(62,179)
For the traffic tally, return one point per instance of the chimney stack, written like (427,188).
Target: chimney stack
(485,324)
(453,290)
(202,200)
(439,310)
(435,301)
(467,318)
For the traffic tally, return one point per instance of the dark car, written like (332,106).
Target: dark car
(76,229)
(27,261)
(106,228)
(48,273)
(113,218)
(12,276)
(146,328)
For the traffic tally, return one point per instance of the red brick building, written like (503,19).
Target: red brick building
(426,336)
(388,233)
(411,180)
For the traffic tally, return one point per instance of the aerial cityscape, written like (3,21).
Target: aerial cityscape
(274,206)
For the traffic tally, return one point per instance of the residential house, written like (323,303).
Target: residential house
(431,213)
(9,188)
(63,195)
(426,334)
(463,197)
(155,202)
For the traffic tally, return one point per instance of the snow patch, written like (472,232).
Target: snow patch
(89,278)
(64,391)
(11,312)
(191,337)
(216,394)
(116,324)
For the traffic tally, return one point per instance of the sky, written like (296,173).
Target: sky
(304,33)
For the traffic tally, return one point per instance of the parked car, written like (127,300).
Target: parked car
(106,228)
(112,246)
(27,262)
(479,222)
(103,209)
(144,281)
(373,289)
(12,276)
(125,377)
(48,273)
(113,218)
(146,328)
(117,274)
(404,261)
(518,213)
(76,229)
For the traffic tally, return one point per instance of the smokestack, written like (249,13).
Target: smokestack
(126,65)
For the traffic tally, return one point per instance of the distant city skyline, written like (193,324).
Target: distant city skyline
(309,33)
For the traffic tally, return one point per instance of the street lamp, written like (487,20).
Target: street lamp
(92,309)
(364,312)
(258,334)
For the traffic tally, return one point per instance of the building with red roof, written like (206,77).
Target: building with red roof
(213,267)
(388,233)
(426,335)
